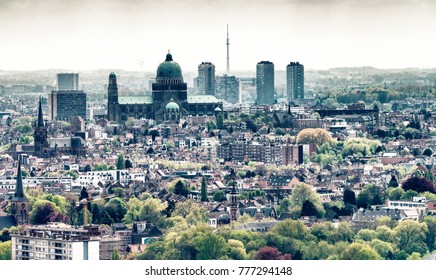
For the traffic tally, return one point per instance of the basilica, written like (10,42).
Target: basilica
(169,101)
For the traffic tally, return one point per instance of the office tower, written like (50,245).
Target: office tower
(206,78)
(265,83)
(295,81)
(67,102)
(112,95)
(227,88)
(68,81)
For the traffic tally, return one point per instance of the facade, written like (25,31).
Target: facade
(169,100)
(206,78)
(56,242)
(265,83)
(66,104)
(295,81)
(68,81)
(282,154)
(227,89)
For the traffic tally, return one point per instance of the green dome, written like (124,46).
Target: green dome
(218,109)
(172,106)
(169,68)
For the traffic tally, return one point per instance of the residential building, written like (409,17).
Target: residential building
(206,79)
(265,83)
(295,81)
(227,89)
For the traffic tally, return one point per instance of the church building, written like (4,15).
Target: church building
(169,101)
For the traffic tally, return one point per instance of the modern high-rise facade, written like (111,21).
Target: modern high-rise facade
(68,81)
(68,101)
(206,78)
(265,83)
(67,104)
(227,88)
(295,81)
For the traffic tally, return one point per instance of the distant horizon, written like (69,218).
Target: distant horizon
(65,70)
(113,34)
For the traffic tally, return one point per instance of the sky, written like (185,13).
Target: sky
(118,34)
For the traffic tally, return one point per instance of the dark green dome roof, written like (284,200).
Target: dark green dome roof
(169,68)
(172,106)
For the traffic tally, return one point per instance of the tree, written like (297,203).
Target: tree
(210,246)
(120,162)
(128,164)
(6,250)
(316,136)
(88,168)
(303,192)
(44,211)
(427,152)
(236,250)
(203,190)
(412,236)
(396,193)
(181,189)
(360,251)
(370,195)
(115,255)
(308,209)
(150,210)
(270,253)
(219,196)
(116,209)
(220,121)
(349,197)
(431,233)
(83,194)
(418,184)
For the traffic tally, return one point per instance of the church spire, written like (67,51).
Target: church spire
(40,117)
(19,192)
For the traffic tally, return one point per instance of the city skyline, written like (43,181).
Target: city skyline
(85,35)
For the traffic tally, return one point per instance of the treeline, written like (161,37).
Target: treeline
(387,239)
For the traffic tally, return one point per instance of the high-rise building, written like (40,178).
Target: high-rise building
(265,83)
(68,101)
(206,78)
(68,81)
(227,88)
(67,104)
(295,81)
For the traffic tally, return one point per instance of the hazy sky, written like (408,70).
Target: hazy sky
(87,34)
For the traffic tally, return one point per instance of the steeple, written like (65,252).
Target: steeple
(19,203)
(40,117)
(19,192)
